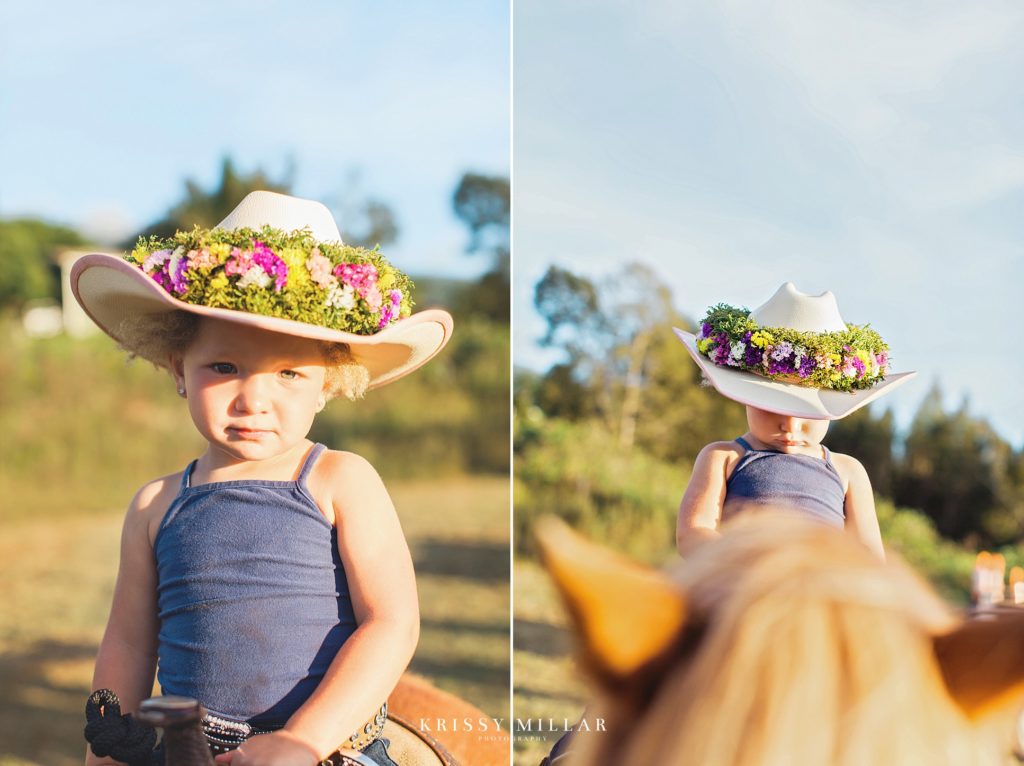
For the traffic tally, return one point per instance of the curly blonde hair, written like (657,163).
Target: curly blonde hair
(155,337)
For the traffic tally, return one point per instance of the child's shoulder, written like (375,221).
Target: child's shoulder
(722,451)
(718,458)
(848,467)
(339,465)
(343,480)
(151,501)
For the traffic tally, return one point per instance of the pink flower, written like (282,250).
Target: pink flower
(363,277)
(238,262)
(320,269)
(203,259)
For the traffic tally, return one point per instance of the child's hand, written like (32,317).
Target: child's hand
(280,748)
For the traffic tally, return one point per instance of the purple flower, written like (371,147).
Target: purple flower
(269,261)
(807,365)
(753,357)
(705,331)
(178,280)
(161,278)
(391,309)
(720,352)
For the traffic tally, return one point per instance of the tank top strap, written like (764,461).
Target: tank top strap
(308,463)
(828,458)
(744,443)
(186,476)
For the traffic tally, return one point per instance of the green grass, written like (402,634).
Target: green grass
(57,575)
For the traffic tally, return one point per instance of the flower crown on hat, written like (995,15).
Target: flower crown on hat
(847,360)
(275,273)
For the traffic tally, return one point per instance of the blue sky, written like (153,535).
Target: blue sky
(106,108)
(873,149)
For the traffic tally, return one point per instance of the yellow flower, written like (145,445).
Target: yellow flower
(762,339)
(139,254)
(295,258)
(385,279)
(219,282)
(221,250)
(702,345)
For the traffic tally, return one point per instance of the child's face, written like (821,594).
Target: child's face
(795,436)
(252,394)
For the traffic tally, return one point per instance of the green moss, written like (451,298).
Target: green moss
(301,298)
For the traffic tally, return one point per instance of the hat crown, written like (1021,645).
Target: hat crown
(798,311)
(265,208)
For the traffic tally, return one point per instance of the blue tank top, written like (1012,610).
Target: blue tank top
(807,484)
(252,595)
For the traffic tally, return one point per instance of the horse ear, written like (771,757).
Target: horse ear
(982,662)
(626,614)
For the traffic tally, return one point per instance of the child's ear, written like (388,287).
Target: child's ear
(321,402)
(625,614)
(177,368)
(982,662)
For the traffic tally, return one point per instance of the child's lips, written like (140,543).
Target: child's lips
(253,434)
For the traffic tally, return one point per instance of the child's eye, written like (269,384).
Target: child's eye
(223,368)
(289,374)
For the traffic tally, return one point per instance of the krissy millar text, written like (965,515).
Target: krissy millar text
(434,725)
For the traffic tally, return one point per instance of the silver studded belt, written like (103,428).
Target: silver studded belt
(223,734)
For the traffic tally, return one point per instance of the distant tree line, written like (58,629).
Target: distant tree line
(626,373)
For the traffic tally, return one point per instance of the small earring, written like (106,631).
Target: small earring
(181,391)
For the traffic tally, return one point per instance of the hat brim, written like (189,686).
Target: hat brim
(787,398)
(112,291)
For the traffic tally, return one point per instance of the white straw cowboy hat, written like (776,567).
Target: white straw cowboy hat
(114,291)
(790,309)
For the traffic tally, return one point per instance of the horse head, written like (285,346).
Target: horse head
(783,642)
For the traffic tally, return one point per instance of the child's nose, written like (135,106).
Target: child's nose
(790,425)
(252,395)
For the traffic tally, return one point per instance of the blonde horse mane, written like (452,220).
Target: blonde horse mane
(799,647)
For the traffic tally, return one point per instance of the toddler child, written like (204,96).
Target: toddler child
(796,365)
(269,579)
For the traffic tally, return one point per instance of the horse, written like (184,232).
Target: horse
(783,642)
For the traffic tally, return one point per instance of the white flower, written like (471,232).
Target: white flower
(782,350)
(341,297)
(736,352)
(255,276)
(155,260)
(176,256)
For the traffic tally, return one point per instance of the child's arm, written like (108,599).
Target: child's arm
(126,661)
(861,518)
(368,665)
(701,507)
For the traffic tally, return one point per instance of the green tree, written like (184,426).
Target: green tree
(959,471)
(27,249)
(625,366)
(483,204)
(208,208)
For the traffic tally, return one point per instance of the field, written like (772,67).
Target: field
(546,685)
(57,576)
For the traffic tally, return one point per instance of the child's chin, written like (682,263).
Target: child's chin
(250,448)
